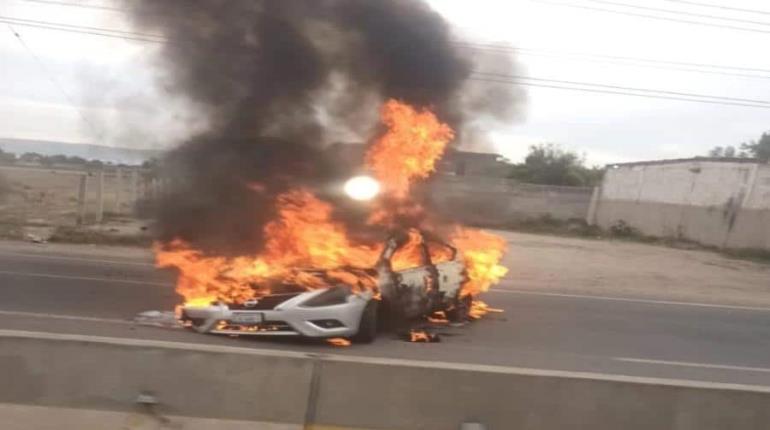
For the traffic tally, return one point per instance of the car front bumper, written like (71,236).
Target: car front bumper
(287,319)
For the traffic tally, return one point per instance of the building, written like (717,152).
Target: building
(464,163)
(723,202)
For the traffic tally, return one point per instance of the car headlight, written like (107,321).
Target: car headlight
(362,188)
(332,296)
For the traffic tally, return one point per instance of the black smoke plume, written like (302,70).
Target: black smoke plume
(273,79)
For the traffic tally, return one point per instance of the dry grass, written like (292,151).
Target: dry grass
(40,196)
(64,234)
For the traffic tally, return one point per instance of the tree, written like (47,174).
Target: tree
(759,149)
(7,157)
(152,163)
(31,157)
(58,159)
(728,152)
(549,164)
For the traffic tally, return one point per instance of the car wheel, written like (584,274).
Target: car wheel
(367,328)
(459,313)
(198,324)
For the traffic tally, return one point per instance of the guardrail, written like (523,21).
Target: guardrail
(74,381)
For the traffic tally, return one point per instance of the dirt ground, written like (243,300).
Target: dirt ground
(627,269)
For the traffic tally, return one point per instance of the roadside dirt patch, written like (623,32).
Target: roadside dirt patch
(627,269)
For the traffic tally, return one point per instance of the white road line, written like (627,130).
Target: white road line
(630,300)
(64,317)
(92,260)
(688,364)
(83,278)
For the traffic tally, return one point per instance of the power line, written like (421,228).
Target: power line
(101,32)
(622,93)
(511,79)
(624,61)
(559,4)
(653,17)
(84,6)
(649,60)
(99,7)
(672,11)
(717,6)
(55,82)
(618,87)
(154,38)
(82,27)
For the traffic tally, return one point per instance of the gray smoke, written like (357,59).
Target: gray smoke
(276,80)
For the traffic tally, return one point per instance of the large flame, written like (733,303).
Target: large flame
(482,252)
(305,247)
(414,142)
(303,236)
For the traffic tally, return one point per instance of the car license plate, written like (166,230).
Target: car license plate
(247,318)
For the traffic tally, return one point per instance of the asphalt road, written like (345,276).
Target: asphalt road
(56,289)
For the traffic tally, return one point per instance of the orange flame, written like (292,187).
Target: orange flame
(305,236)
(302,236)
(438,317)
(479,309)
(409,150)
(200,280)
(338,341)
(482,252)
(422,336)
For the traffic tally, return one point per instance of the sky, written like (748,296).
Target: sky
(76,87)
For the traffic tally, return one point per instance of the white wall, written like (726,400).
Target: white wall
(759,196)
(696,183)
(500,202)
(721,203)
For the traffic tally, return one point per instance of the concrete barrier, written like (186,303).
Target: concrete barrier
(80,372)
(72,379)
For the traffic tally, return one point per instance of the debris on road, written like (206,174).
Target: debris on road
(165,319)
(338,341)
(35,238)
(422,336)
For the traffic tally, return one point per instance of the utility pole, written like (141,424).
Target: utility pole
(134,186)
(118,186)
(100,196)
(82,185)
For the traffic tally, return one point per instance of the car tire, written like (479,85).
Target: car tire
(198,325)
(459,313)
(367,327)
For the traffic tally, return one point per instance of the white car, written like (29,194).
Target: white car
(338,311)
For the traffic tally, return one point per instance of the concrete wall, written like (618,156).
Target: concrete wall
(87,382)
(499,201)
(721,203)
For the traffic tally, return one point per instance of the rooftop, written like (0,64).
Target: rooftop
(688,160)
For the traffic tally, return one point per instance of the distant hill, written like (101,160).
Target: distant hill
(89,152)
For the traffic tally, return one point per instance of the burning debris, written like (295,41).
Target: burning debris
(250,213)
(338,341)
(439,318)
(422,336)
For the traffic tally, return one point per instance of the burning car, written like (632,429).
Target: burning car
(315,273)
(250,211)
(348,309)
